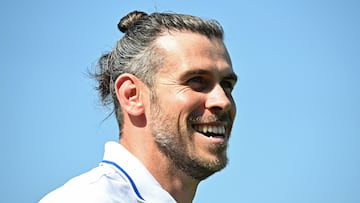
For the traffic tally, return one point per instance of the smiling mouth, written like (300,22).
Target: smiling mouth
(211,131)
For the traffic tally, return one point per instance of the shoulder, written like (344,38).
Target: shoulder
(101,184)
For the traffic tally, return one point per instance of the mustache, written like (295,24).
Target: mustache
(211,118)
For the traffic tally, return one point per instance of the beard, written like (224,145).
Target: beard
(173,139)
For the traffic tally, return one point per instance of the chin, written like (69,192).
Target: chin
(207,168)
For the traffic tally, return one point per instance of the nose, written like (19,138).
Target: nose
(218,100)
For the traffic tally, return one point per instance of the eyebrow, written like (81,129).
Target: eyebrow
(230,76)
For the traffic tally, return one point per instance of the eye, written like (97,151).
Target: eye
(228,86)
(199,83)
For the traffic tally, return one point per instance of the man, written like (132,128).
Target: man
(170,80)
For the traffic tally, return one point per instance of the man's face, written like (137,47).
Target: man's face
(193,109)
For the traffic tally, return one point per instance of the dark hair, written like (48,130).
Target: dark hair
(136,52)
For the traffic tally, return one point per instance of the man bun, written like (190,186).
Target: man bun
(127,21)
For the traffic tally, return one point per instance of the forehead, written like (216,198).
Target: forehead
(187,51)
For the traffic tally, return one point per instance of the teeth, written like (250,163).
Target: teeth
(215,130)
(204,129)
(210,129)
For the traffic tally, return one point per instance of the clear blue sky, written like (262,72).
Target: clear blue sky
(296,138)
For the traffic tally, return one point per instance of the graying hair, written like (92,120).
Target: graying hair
(137,54)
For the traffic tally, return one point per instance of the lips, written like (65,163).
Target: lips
(211,130)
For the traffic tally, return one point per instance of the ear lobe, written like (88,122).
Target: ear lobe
(128,92)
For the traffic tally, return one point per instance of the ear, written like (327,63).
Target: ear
(128,90)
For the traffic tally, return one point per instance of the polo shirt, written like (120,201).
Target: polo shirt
(120,177)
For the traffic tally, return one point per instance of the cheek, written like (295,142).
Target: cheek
(233,111)
(182,100)
(191,103)
(233,106)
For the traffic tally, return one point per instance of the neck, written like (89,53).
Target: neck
(179,185)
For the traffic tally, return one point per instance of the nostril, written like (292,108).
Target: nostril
(220,105)
(216,108)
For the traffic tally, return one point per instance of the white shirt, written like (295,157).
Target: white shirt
(120,177)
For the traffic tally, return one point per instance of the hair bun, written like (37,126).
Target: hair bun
(127,21)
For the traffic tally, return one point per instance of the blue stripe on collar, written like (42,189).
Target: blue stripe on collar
(128,176)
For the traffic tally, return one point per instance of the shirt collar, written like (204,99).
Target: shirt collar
(146,184)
